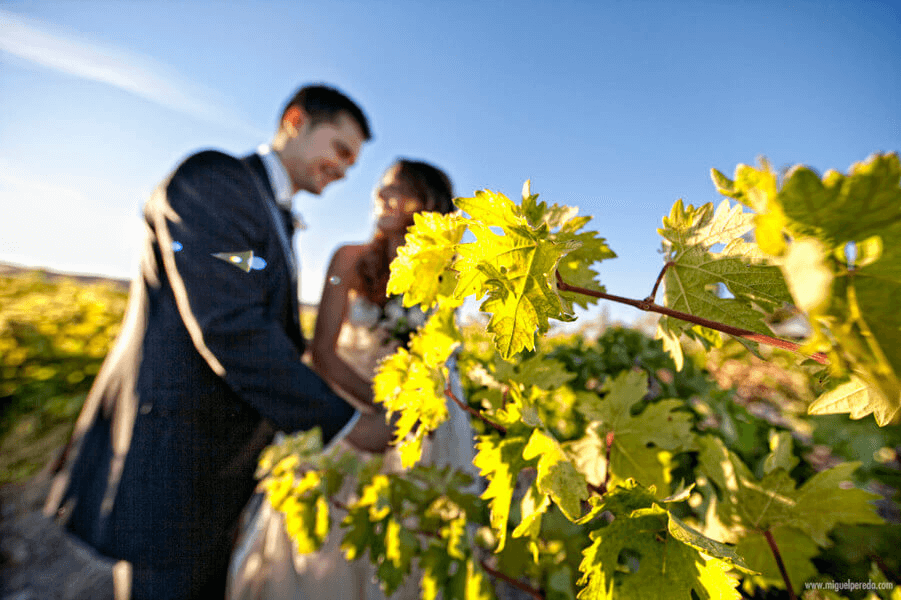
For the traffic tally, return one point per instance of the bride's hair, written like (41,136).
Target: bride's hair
(433,188)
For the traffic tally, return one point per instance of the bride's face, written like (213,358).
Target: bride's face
(395,203)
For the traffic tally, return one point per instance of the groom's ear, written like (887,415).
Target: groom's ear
(294,119)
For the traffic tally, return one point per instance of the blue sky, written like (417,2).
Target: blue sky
(619,108)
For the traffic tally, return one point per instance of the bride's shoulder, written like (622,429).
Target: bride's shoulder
(348,255)
(345,259)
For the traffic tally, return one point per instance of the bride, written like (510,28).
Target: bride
(356,327)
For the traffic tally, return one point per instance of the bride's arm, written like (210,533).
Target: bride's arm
(339,280)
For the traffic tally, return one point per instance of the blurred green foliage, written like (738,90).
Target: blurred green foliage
(54,335)
(738,397)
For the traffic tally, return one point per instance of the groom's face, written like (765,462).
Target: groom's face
(320,154)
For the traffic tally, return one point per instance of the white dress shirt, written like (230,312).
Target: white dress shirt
(284,197)
(278,176)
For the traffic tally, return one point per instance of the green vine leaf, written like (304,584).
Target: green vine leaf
(406,385)
(644,554)
(470,582)
(516,271)
(533,506)
(535,371)
(420,271)
(749,506)
(435,564)
(641,443)
(300,448)
(840,246)
(696,272)
(306,513)
(852,397)
(360,535)
(820,207)
(500,462)
(412,382)
(401,546)
(557,477)
(516,268)
(560,584)
(824,501)
(756,188)
(781,455)
(392,511)
(564,225)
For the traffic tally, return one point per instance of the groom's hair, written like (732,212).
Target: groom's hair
(324,104)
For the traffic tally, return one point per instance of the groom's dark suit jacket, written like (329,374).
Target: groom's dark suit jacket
(206,367)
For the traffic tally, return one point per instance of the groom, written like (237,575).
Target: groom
(208,365)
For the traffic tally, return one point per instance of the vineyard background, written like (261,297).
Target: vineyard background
(56,329)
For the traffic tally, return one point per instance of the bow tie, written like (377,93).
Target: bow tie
(293,221)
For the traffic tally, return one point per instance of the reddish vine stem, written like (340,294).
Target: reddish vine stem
(649,306)
(517,584)
(886,570)
(778,555)
(653,295)
(609,443)
(600,490)
(450,394)
(428,534)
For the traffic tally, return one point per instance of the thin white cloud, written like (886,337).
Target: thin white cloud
(10,182)
(37,43)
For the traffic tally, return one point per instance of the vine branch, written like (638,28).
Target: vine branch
(649,306)
(779,562)
(450,394)
(517,584)
(653,295)
(600,490)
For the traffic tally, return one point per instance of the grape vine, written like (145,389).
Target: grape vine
(628,479)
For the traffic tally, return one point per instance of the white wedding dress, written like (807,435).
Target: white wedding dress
(265,565)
